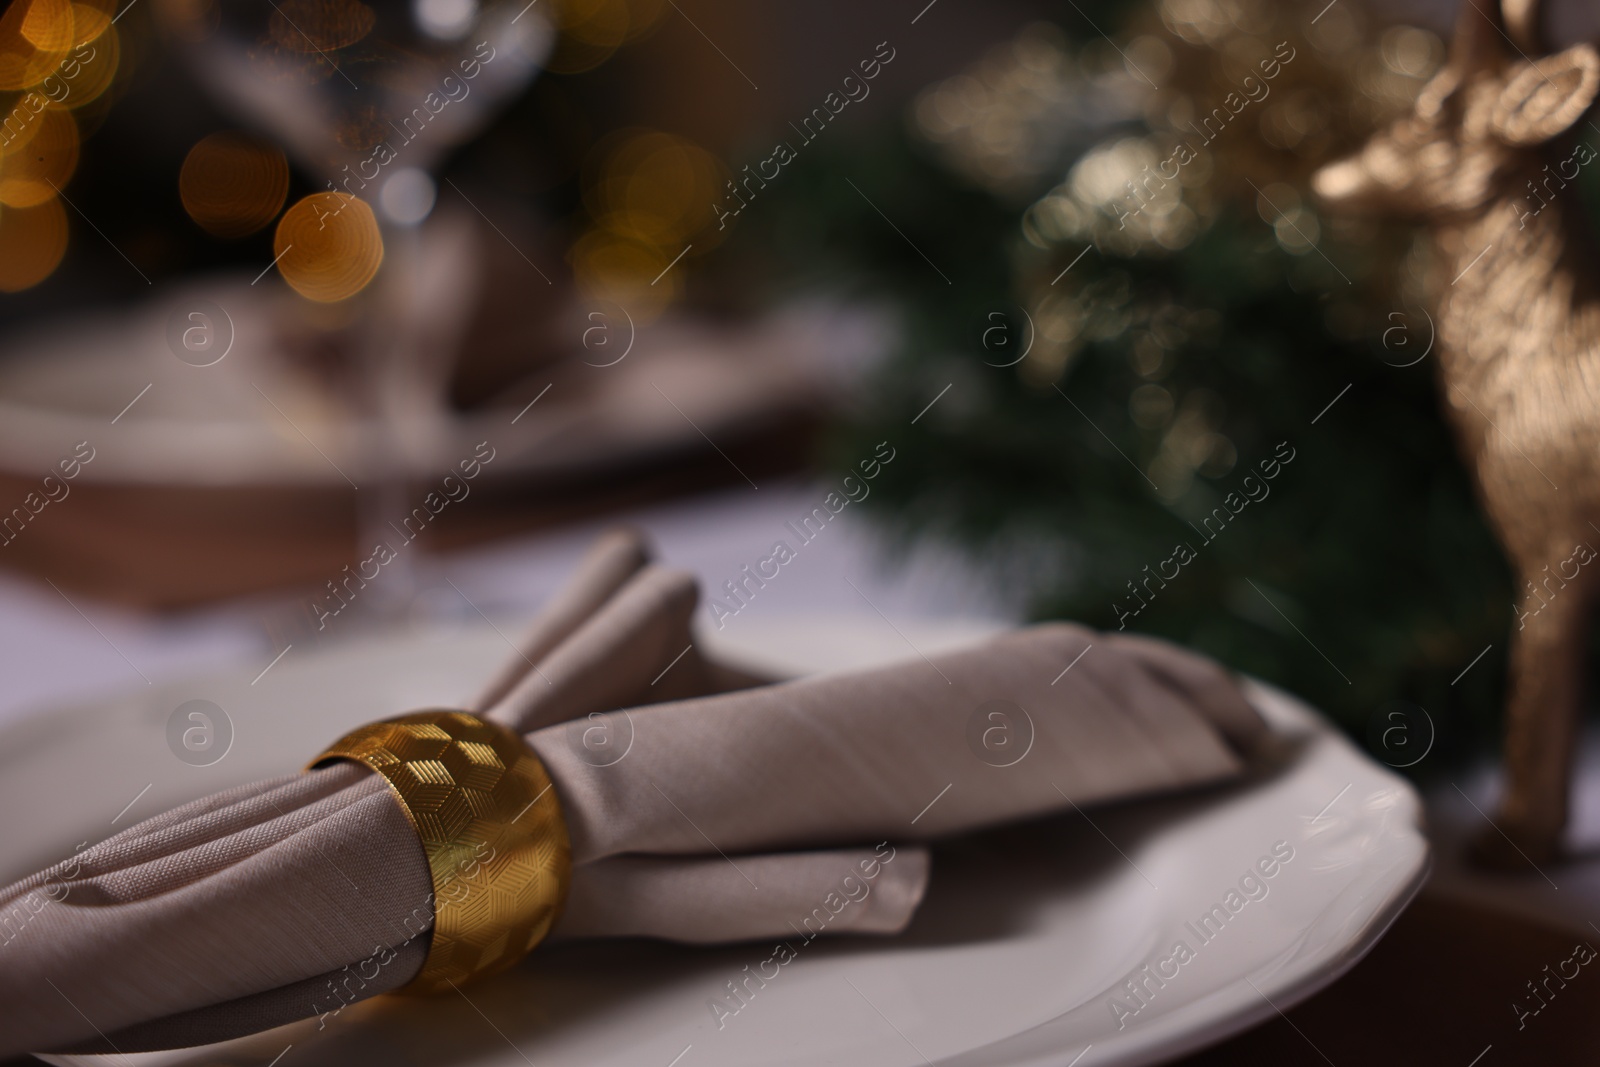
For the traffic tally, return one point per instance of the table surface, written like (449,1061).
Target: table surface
(1438,989)
(55,650)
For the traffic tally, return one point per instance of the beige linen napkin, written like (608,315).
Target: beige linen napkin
(702,806)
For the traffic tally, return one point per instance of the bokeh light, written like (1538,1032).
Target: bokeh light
(610,267)
(328,246)
(89,69)
(32,242)
(21,123)
(89,21)
(652,195)
(56,56)
(232,184)
(591,30)
(446,20)
(320,25)
(655,187)
(1006,121)
(36,171)
(35,36)
(407,196)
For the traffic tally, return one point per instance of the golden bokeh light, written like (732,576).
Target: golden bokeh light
(653,197)
(48,25)
(320,25)
(328,246)
(87,72)
(21,123)
(612,267)
(656,187)
(36,171)
(57,55)
(35,36)
(232,184)
(591,30)
(89,21)
(32,242)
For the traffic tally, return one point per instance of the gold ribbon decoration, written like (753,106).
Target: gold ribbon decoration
(492,828)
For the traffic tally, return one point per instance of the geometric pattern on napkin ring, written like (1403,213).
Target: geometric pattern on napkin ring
(491,826)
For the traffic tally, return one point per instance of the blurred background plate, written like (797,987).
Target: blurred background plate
(259,418)
(252,472)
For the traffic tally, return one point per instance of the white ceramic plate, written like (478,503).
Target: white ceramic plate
(1021,956)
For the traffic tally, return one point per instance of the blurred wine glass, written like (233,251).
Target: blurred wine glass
(335,79)
(368,97)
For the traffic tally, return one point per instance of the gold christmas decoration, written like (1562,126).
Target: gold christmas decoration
(1514,303)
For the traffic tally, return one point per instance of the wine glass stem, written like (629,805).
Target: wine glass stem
(387,370)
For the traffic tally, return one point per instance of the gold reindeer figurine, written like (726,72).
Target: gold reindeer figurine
(1517,313)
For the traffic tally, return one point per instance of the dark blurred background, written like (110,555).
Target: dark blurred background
(670,79)
(1071,395)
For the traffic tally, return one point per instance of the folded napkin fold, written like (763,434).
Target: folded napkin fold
(702,805)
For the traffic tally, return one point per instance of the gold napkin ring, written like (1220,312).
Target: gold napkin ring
(491,826)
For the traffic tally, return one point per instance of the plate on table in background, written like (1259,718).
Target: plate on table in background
(235,469)
(1050,943)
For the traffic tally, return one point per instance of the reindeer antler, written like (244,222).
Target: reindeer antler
(1478,44)
(1521,18)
